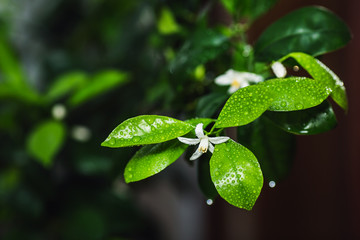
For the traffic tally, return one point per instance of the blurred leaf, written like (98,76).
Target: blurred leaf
(204,178)
(202,47)
(314,120)
(236,174)
(209,104)
(152,159)
(321,72)
(251,9)
(99,84)
(10,68)
(66,84)
(146,129)
(274,148)
(285,94)
(313,30)
(167,23)
(45,141)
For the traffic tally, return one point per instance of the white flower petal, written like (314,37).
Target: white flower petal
(204,144)
(196,155)
(233,89)
(252,77)
(223,80)
(211,148)
(199,130)
(218,140)
(189,141)
(278,69)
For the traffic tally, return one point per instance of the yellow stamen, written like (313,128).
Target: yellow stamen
(235,84)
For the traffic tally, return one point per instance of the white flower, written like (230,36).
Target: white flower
(204,141)
(237,79)
(278,69)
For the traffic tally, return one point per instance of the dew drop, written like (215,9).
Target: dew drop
(136,139)
(130,175)
(209,202)
(272,184)
(283,104)
(217,173)
(299,106)
(112,141)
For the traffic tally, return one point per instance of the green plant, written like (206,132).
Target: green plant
(264,109)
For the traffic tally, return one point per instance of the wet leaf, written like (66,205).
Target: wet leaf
(313,30)
(314,120)
(45,141)
(146,129)
(236,174)
(285,94)
(244,106)
(152,159)
(321,72)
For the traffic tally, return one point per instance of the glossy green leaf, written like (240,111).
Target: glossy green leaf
(66,84)
(285,94)
(146,129)
(314,120)
(202,47)
(208,105)
(45,141)
(244,106)
(295,93)
(236,174)
(313,30)
(152,159)
(321,72)
(100,83)
(166,23)
(274,148)
(251,9)
(204,179)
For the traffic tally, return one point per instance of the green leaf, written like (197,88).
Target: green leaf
(313,30)
(166,23)
(202,47)
(152,159)
(45,141)
(66,84)
(100,83)
(251,9)
(314,120)
(236,174)
(209,104)
(295,93)
(284,94)
(146,129)
(274,148)
(244,106)
(321,72)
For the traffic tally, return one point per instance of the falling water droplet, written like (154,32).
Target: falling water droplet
(272,184)
(296,68)
(209,202)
